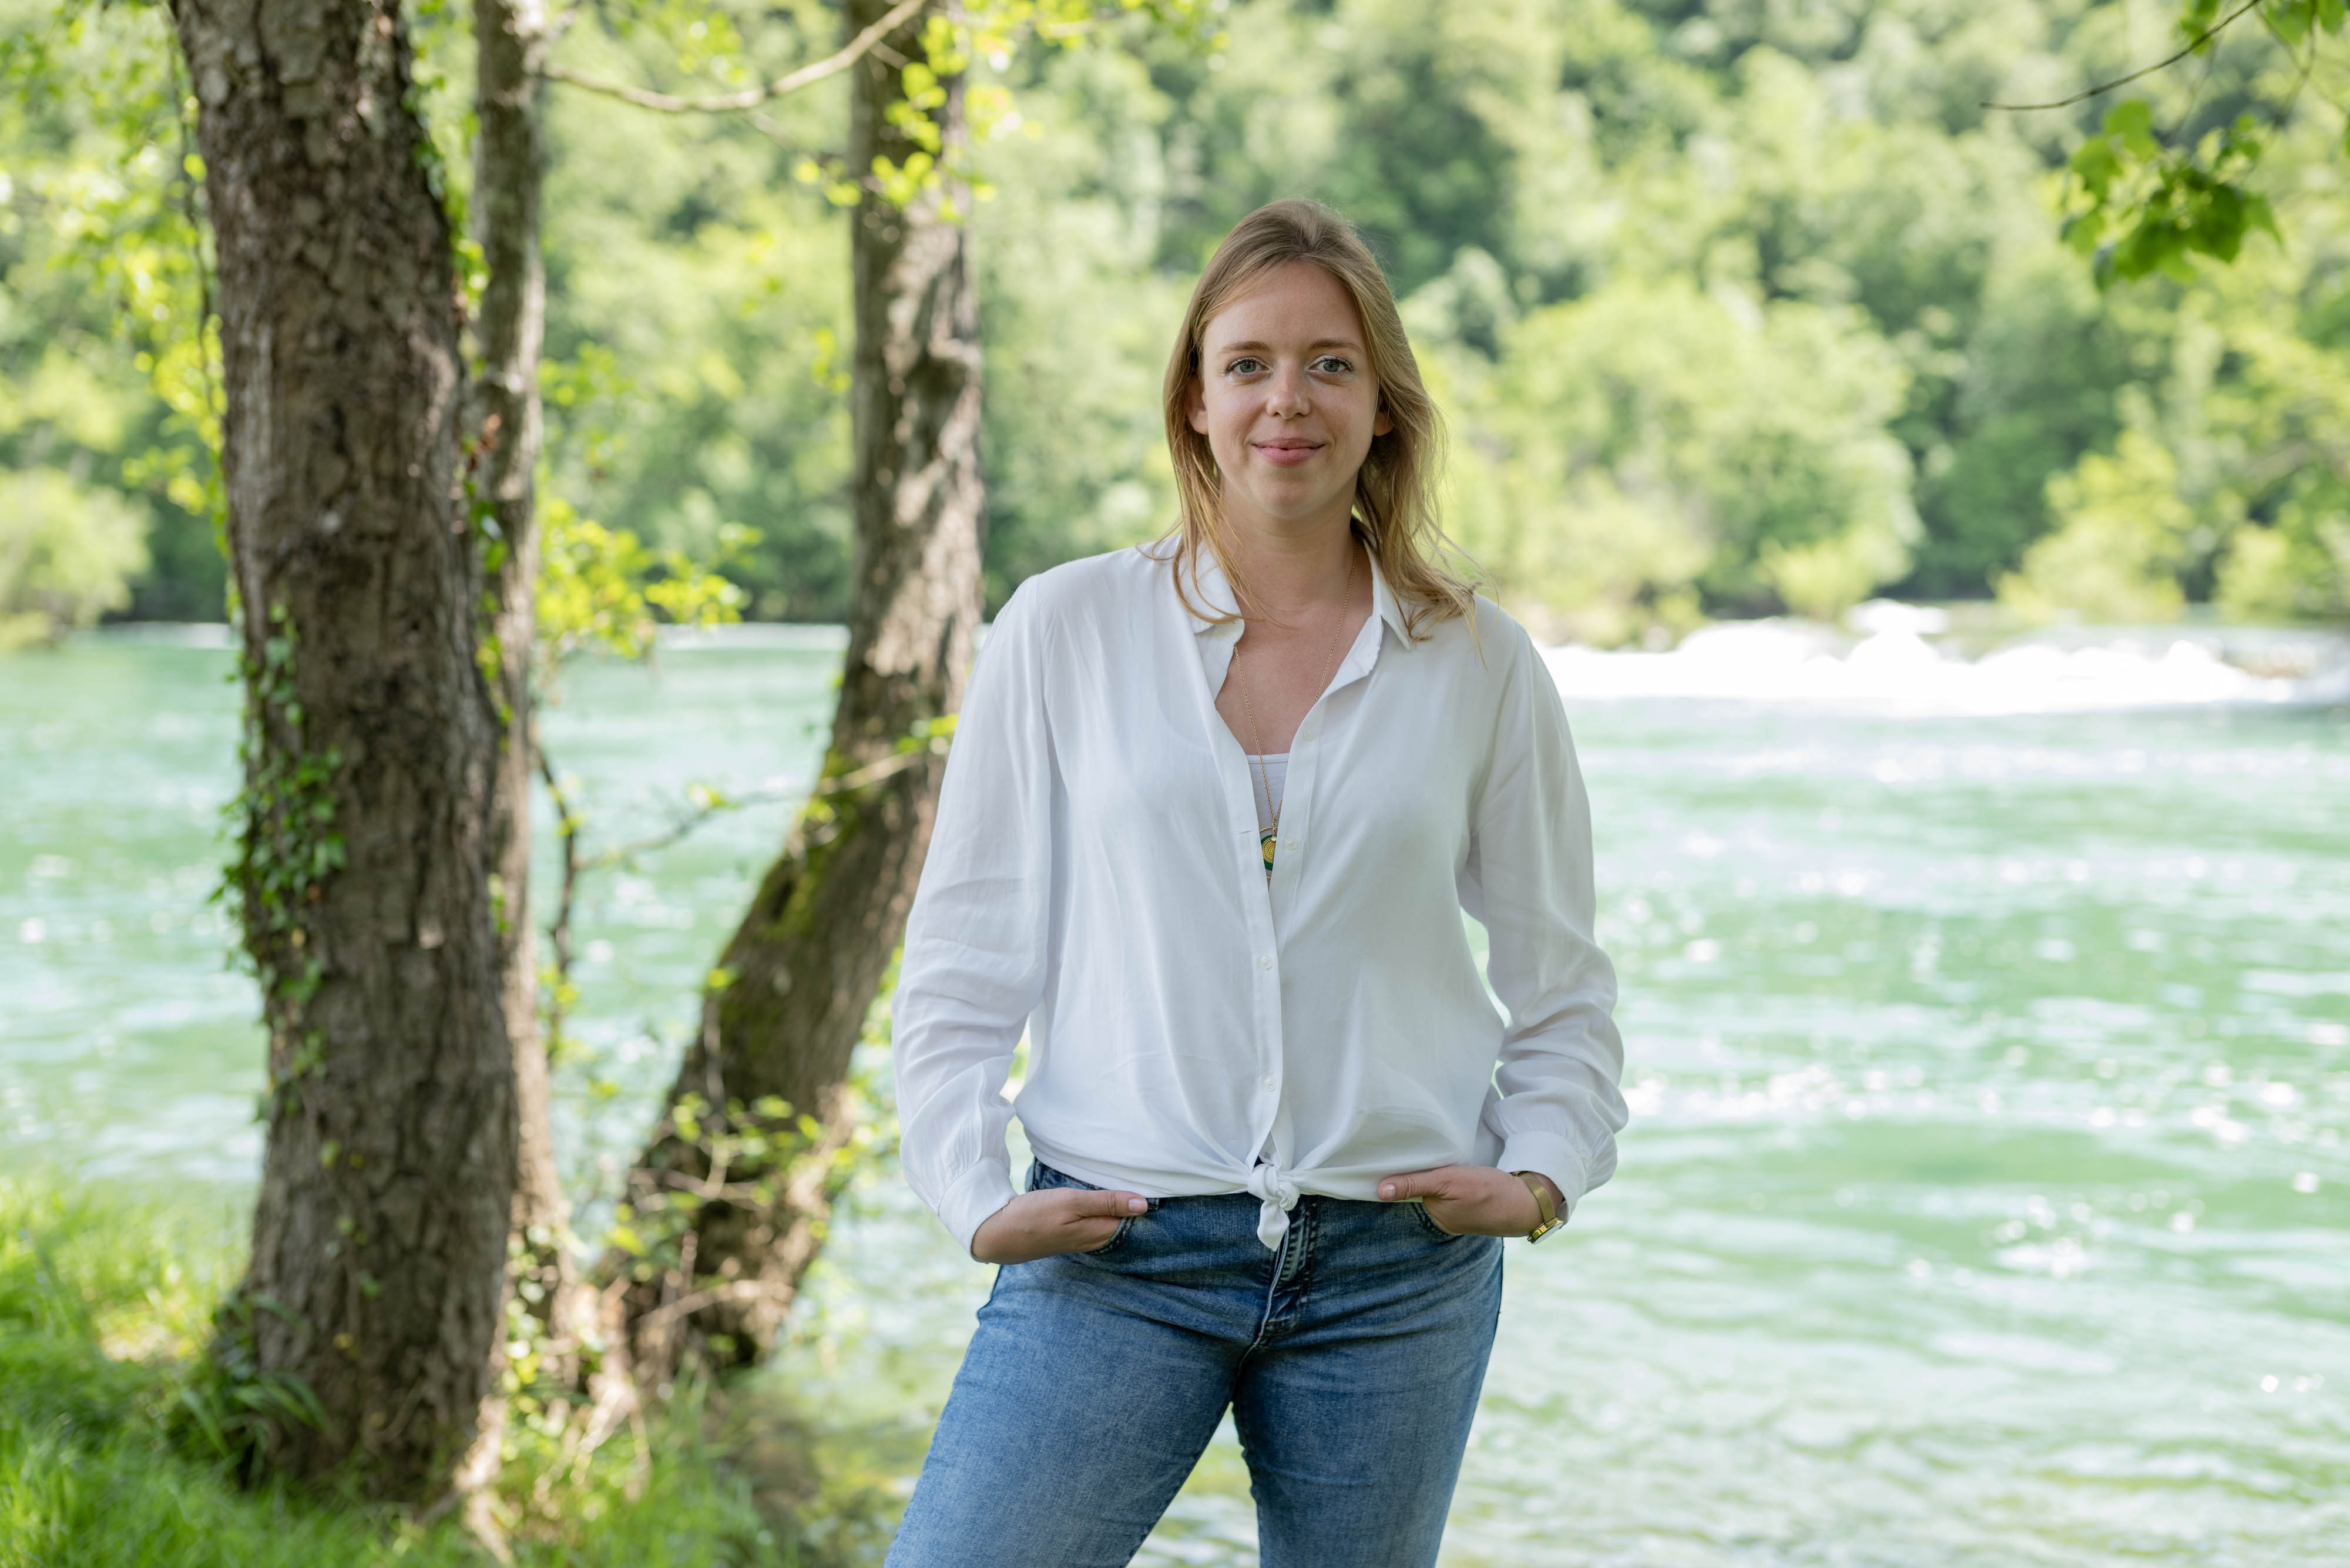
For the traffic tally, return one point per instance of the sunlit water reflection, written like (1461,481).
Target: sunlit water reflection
(1990,1063)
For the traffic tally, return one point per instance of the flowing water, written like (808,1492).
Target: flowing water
(1984,1200)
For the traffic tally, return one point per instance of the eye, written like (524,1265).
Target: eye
(1247,365)
(1331,365)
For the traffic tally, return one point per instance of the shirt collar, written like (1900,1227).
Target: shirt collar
(1210,589)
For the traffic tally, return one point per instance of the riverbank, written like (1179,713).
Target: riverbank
(105,1463)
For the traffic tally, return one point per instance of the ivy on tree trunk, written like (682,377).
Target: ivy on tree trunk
(362,875)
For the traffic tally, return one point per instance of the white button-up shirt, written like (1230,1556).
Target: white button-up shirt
(1195,1026)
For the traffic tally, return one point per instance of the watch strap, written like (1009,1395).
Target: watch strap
(1541,1190)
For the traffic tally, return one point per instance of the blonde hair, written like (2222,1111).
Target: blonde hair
(1395,490)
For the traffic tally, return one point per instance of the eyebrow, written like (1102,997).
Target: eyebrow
(1252,346)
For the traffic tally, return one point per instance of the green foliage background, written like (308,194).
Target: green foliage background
(1736,306)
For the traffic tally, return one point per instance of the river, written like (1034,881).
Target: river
(1985,1197)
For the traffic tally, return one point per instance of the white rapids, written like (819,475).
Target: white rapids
(1900,657)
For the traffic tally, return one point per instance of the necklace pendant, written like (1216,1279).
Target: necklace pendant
(1265,841)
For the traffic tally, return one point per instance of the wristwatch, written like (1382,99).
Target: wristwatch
(1541,1190)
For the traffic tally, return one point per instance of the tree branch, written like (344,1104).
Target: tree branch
(577,864)
(558,933)
(731,1290)
(865,43)
(191,211)
(872,773)
(686,822)
(2209,34)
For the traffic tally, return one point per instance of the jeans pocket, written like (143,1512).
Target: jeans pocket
(1116,1239)
(1420,1212)
(1042,1176)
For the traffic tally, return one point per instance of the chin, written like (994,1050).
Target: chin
(1293,490)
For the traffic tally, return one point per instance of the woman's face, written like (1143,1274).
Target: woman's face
(1285,397)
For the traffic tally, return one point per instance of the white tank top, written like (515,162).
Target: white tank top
(1268,771)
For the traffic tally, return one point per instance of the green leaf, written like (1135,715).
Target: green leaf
(2083,230)
(2132,125)
(2097,165)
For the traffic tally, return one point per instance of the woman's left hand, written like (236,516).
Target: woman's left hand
(1472,1199)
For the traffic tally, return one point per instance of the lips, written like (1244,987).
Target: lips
(1288,452)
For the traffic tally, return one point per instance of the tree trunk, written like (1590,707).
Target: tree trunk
(505,425)
(732,1196)
(380,1235)
(510,161)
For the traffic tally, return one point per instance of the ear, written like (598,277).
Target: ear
(1380,424)
(1196,411)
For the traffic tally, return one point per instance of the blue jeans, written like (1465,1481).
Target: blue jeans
(1351,1363)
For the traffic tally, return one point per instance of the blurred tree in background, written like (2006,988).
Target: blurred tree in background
(1736,306)
(66,552)
(107,404)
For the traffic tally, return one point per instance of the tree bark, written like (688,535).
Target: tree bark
(380,1234)
(510,162)
(505,427)
(730,1225)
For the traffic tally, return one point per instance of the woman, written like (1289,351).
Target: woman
(1214,812)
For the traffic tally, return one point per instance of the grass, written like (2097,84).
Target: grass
(104,1304)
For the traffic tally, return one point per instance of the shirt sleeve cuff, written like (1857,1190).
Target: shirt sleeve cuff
(1547,1154)
(976,1194)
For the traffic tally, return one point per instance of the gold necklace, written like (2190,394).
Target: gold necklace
(1269,837)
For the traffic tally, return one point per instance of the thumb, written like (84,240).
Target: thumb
(1107,1205)
(1413,1184)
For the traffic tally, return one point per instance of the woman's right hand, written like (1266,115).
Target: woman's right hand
(1052,1221)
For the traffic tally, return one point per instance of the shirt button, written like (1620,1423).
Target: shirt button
(1289,844)
(1264,960)
(1266,1082)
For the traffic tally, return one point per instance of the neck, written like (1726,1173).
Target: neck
(1294,571)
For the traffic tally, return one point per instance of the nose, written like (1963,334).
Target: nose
(1287,395)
